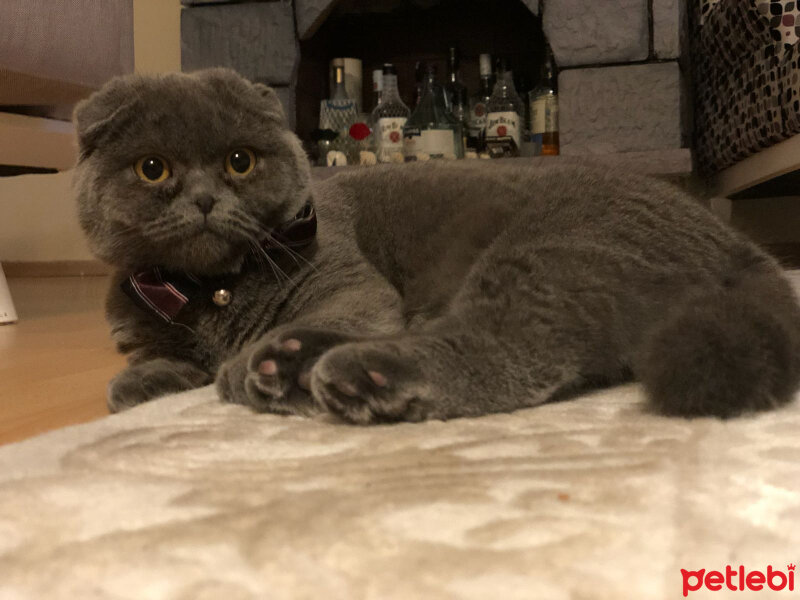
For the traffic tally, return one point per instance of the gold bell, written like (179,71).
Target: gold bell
(222,297)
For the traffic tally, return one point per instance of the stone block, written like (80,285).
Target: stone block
(310,15)
(533,5)
(590,33)
(669,27)
(621,109)
(257,39)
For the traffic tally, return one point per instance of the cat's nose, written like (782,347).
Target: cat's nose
(205,203)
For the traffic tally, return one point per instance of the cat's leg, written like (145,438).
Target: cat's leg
(514,335)
(273,373)
(153,378)
(456,372)
(509,339)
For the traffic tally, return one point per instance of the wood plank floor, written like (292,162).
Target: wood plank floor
(56,361)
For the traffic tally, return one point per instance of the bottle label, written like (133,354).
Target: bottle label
(502,125)
(390,137)
(477,117)
(544,114)
(426,144)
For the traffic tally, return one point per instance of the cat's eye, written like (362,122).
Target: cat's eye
(240,162)
(152,169)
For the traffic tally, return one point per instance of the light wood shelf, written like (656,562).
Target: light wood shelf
(673,162)
(36,142)
(767,164)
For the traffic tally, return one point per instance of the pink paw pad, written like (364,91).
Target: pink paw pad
(268,367)
(378,379)
(292,345)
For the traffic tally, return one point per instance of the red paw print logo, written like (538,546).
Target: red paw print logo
(501,130)
(394,137)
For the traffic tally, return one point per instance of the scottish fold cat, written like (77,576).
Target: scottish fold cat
(407,292)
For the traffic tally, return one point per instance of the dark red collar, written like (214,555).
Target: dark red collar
(164,293)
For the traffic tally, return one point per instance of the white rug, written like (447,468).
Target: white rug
(186,498)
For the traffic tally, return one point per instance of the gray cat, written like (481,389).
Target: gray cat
(409,292)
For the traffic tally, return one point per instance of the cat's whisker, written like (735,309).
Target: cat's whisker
(245,222)
(261,262)
(169,230)
(275,265)
(292,253)
(264,258)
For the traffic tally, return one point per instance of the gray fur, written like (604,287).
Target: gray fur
(433,291)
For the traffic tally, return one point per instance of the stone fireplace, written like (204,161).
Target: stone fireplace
(623,65)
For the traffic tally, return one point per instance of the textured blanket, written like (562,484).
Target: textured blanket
(187,498)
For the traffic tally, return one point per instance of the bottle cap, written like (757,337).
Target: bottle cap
(377,80)
(338,76)
(454,57)
(486,65)
(388,69)
(359,131)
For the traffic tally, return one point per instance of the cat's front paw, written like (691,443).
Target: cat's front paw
(373,382)
(273,374)
(152,379)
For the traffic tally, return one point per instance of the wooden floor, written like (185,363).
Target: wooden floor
(56,361)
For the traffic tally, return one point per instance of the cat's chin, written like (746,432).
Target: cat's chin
(207,253)
(211,266)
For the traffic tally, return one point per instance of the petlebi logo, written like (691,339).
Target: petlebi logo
(739,580)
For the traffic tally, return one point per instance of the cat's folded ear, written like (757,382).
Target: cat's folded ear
(272,104)
(230,81)
(95,117)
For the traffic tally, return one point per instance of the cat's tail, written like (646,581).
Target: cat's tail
(727,351)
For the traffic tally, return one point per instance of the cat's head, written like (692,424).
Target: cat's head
(185,171)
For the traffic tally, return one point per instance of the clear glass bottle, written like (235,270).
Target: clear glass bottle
(477,108)
(543,102)
(457,91)
(338,113)
(504,113)
(431,131)
(377,87)
(388,119)
(419,82)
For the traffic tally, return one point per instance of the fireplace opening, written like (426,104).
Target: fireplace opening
(404,32)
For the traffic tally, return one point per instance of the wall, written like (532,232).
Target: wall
(157,35)
(40,222)
(38,218)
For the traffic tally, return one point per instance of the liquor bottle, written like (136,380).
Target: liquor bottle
(339,91)
(456,90)
(419,82)
(339,113)
(504,113)
(544,110)
(377,87)
(523,88)
(477,109)
(431,131)
(389,118)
